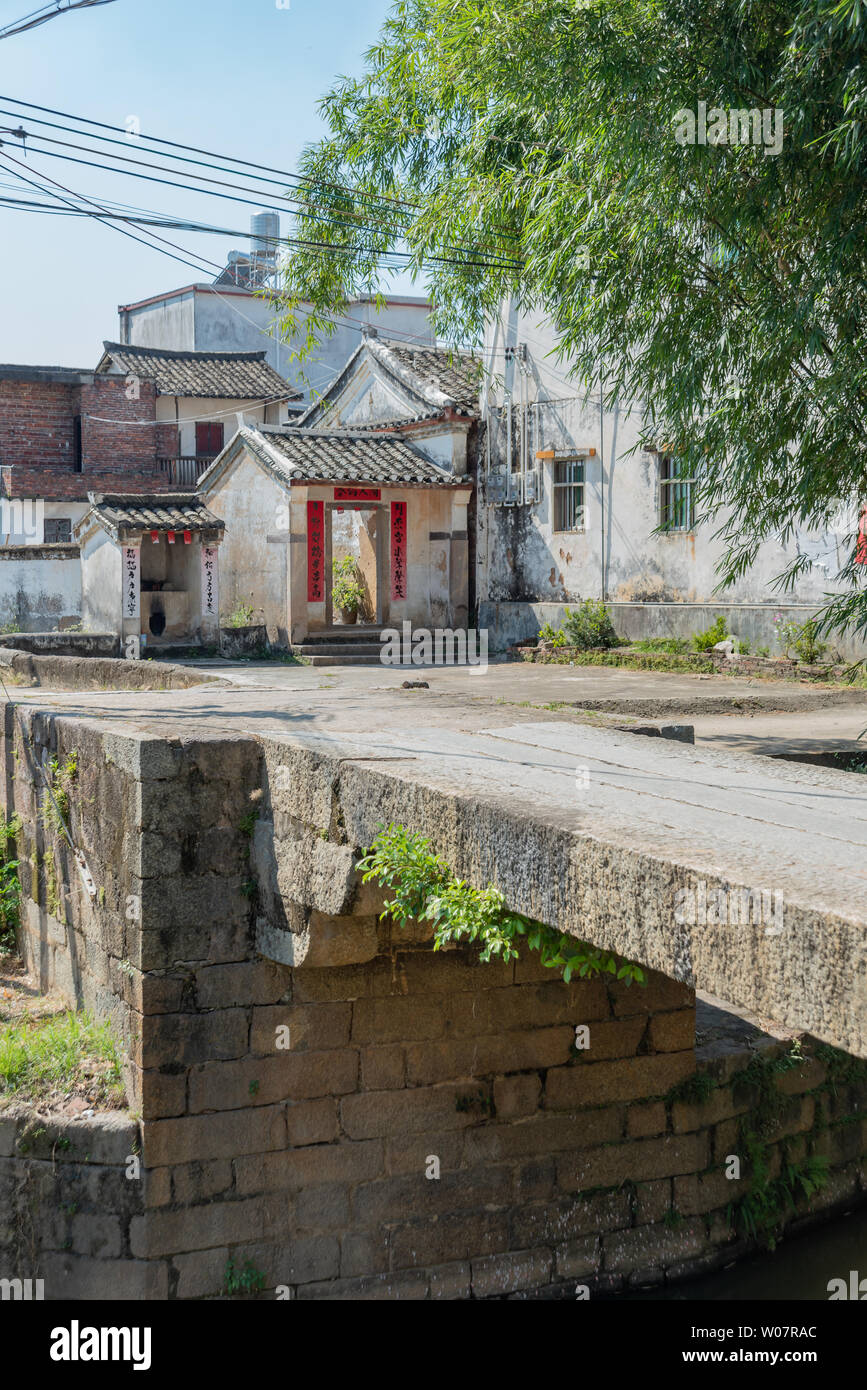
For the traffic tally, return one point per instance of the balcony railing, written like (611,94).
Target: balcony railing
(183,472)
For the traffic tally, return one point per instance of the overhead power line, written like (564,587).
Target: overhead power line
(396,206)
(99,215)
(350,221)
(470,261)
(37,17)
(232,159)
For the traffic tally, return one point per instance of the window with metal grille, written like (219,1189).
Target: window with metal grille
(569,509)
(676,508)
(58,530)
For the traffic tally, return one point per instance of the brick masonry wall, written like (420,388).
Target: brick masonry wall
(120,439)
(291,1116)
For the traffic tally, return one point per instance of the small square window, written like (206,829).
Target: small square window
(676,503)
(569,509)
(58,530)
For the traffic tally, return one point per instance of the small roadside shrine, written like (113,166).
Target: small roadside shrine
(150,571)
(305,507)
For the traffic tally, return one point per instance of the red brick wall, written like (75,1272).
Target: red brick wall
(37,438)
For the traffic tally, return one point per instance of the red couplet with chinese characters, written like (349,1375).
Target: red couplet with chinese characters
(315,552)
(861,549)
(398,550)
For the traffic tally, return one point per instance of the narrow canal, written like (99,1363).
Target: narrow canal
(799,1269)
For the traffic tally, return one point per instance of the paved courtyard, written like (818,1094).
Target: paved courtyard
(734,714)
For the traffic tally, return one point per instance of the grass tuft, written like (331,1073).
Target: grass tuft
(51,1058)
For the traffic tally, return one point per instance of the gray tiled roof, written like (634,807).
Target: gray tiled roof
(230,375)
(167,511)
(433,380)
(456,374)
(340,456)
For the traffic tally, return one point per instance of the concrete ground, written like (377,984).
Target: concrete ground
(729,713)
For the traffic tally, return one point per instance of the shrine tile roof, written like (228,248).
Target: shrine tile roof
(173,511)
(297,455)
(225,375)
(456,374)
(435,379)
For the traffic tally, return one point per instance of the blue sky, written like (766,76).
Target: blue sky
(241,77)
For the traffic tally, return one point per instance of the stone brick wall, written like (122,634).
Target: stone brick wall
(67,1205)
(294,1112)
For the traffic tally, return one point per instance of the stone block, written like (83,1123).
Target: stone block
(296,1168)
(409,1153)
(190,1038)
(657,995)
(312,1122)
(497,1275)
(638,1161)
(396,1020)
(226,1135)
(202,1274)
(631,1078)
(376,1113)
(399,1199)
(567,1218)
(98,1236)
(444,1239)
(256,1081)
(199,1182)
(578,1259)
(430,1062)
(167,1232)
(403,1287)
(312,1028)
(364,1253)
(672,1032)
(645,1120)
(649,1247)
(78,1278)
(516,1097)
(246,982)
(543,1135)
(306,1259)
(451,1281)
(322,1207)
(383,1068)
(653,1200)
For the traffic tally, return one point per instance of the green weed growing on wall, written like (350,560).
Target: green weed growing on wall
(62,776)
(423,889)
(10,885)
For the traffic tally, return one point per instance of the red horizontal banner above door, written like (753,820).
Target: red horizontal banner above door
(357,494)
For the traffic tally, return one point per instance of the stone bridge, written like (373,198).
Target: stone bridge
(354,1115)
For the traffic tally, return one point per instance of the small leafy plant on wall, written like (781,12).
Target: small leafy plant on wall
(10,886)
(62,777)
(423,889)
(242,616)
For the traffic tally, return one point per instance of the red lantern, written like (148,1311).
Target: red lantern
(188,536)
(155,537)
(171,537)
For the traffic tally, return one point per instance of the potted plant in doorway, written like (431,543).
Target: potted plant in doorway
(347,591)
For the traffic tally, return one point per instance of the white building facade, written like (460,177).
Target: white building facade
(228,318)
(569,509)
